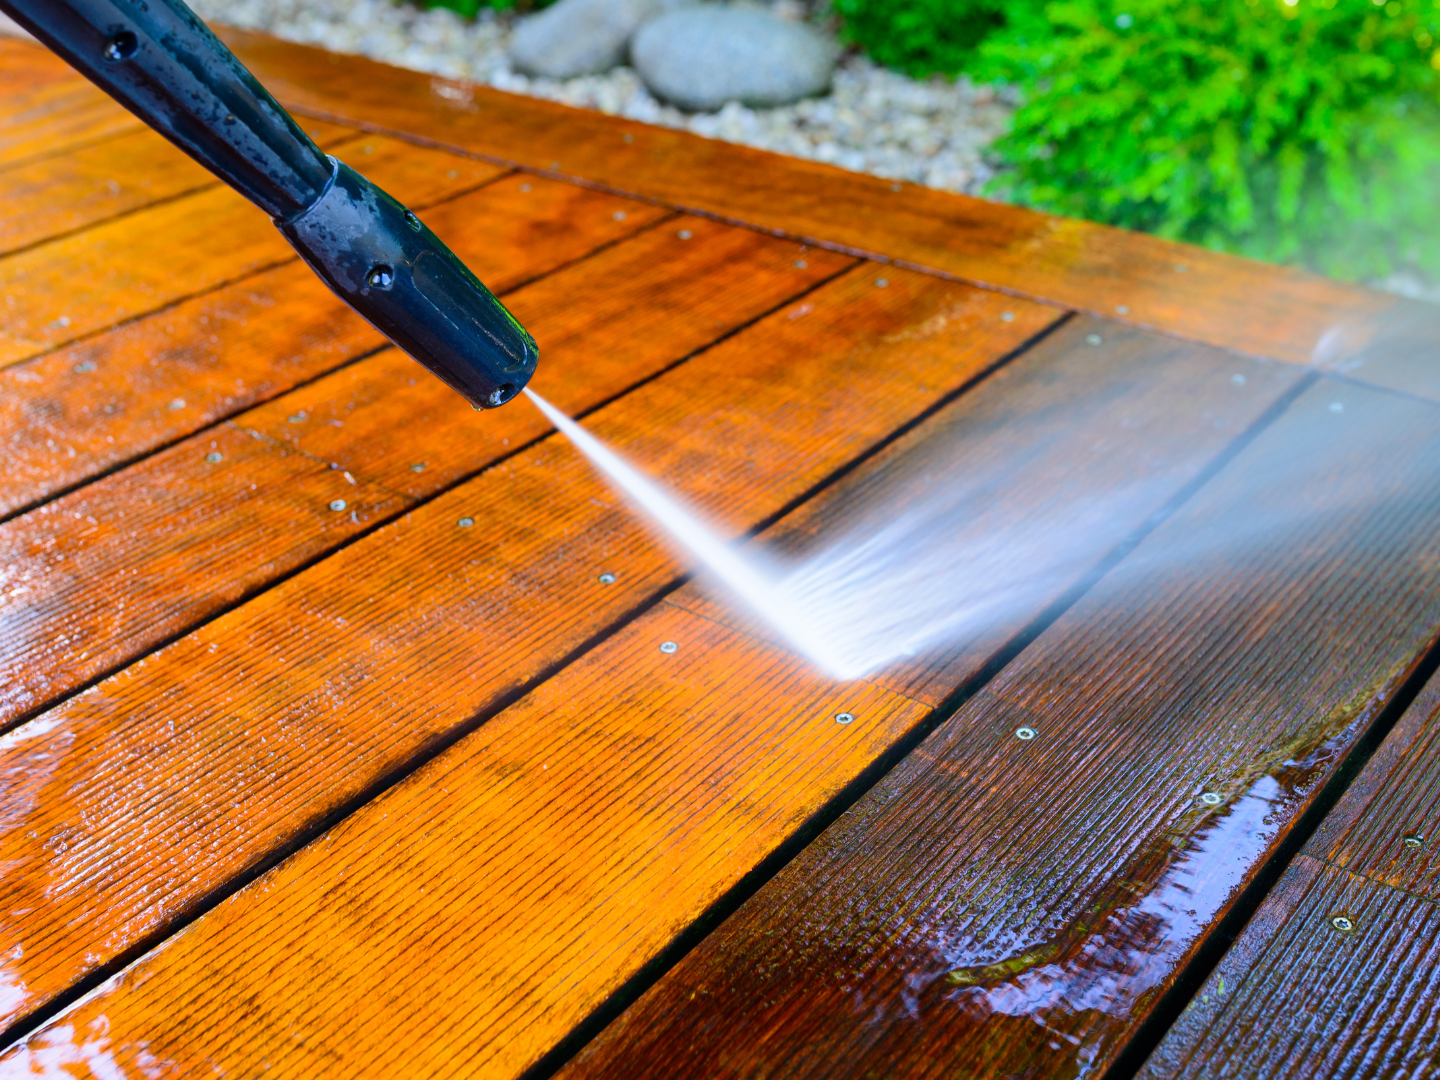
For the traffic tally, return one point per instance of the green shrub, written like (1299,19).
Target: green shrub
(471,8)
(1304,132)
(920,37)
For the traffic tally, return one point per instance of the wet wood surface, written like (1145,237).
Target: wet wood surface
(1338,973)
(327,750)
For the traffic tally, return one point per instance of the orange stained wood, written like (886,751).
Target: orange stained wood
(75,285)
(1337,973)
(65,192)
(62,617)
(51,116)
(1001,903)
(604,325)
(646,781)
(339,708)
(1202,295)
(324,684)
(100,402)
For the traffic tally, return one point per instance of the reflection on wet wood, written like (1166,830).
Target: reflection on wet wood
(1002,906)
(1338,974)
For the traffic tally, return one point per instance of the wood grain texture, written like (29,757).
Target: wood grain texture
(76,285)
(1295,997)
(1302,999)
(1215,298)
(50,115)
(60,627)
(629,792)
(111,398)
(90,184)
(621,316)
(317,687)
(1124,416)
(998,906)
(25,64)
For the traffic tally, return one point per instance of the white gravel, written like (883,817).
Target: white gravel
(930,132)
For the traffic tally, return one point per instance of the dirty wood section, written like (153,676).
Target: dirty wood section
(336,738)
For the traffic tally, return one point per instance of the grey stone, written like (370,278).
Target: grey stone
(579,37)
(701,57)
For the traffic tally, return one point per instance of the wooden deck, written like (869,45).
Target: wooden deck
(292,790)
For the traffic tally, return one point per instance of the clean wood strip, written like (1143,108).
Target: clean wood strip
(87,601)
(291,705)
(25,65)
(113,397)
(1179,289)
(78,284)
(1297,997)
(999,906)
(66,192)
(54,115)
(621,316)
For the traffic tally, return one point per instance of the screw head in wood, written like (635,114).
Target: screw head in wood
(214,457)
(419,466)
(465,522)
(1025,733)
(881,282)
(1343,923)
(669,647)
(844,717)
(1007,316)
(1413,840)
(1093,339)
(606,579)
(337,505)
(684,234)
(1212,798)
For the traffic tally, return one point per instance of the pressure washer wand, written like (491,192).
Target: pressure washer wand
(163,64)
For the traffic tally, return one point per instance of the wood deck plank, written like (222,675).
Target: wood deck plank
(53,115)
(71,414)
(137,801)
(333,671)
(997,906)
(622,316)
(117,270)
(1296,997)
(61,621)
(565,956)
(67,192)
(91,406)
(1218,299)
